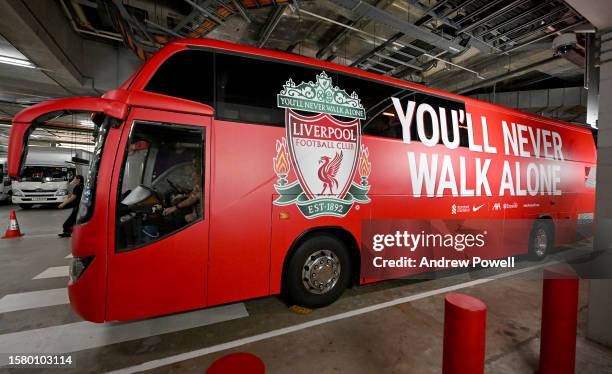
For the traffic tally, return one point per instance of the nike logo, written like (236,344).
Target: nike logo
(477,208)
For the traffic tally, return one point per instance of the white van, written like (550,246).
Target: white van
(5,181)
(46,176)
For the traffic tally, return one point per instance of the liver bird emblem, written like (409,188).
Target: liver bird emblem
(328,170)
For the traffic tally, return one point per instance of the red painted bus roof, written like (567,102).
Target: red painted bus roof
(217,44)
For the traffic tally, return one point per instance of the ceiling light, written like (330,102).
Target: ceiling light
(16,62)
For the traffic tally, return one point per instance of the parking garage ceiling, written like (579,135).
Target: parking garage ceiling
(475,47)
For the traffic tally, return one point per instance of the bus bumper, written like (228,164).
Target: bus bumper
(38,200)
(87,293)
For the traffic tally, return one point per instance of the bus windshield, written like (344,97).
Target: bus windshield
(47,174)
(86,205)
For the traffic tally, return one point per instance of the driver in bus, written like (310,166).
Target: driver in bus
(191,201)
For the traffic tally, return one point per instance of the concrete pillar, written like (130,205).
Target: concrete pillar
(591,79)
(599,327)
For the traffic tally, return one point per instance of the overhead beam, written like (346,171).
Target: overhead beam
(514,30)
(510,74)
(275,16)
(493,15)
(345,32)
(243,12)
(513,19)
(364,9)
(73,66)
(475,41)
(379,48)
(478,11)
(206,13)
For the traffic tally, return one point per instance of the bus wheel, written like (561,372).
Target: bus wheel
(541,239)
(318,272)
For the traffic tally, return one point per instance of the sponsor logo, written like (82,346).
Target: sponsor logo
(497,206)
(510,206)
(531,205)
(460,209)
(477,208)
(324,153)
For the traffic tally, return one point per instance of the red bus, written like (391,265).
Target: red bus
(223,172)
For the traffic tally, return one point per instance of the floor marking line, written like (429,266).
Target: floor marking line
(34,299)
(78,336)
(290,329)
(53,272)
(45,235)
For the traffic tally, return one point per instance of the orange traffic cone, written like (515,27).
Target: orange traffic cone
(13,228)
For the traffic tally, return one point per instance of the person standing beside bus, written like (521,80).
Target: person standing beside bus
(72,201)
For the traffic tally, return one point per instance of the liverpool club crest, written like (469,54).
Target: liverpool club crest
(324,153)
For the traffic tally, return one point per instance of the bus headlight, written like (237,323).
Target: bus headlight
(78,265)
(61,192)
(17,192)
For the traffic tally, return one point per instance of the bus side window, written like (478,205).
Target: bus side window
(247,88)
(161,184)
(384,122)
(381,119)
(187,75)
(440,103)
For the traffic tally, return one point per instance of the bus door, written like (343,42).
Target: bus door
(159,215)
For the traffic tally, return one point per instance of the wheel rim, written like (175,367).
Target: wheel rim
(321,272)
(540,242)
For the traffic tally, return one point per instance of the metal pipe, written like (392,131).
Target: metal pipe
(493,15)
(161,28)
(507,75)
(435,7)
(270,25)
(546,36)
(131,20)
(377,62)
(478,11)
(411,57)
(242,10)
(527,24)
(383,39)
(513,19)
(106,35)
(476,42)
(186,20)
(398,61)
(380,47)
(205,12)
(537,31)
(362,8)
(466,3)
(222,5)
(377,70)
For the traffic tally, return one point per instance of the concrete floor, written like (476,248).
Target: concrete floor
(355,335)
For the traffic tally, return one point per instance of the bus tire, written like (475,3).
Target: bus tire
(541,239)
(25,206)
(318,272)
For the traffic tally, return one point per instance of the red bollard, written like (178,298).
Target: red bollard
(465,320)
(559,320)
(237,363)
